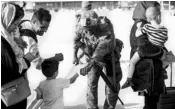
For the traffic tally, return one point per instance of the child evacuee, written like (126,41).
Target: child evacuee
(51,89)
(154,47)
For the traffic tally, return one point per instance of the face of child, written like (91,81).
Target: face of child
(158,19)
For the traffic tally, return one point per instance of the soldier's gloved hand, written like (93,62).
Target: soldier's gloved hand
(75,61)
(84,71)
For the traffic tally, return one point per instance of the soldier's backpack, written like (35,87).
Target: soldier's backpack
(108,27)
(118,48)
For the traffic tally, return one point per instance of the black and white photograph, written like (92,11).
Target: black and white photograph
(87,54)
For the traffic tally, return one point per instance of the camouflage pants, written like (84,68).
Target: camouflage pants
(92,91)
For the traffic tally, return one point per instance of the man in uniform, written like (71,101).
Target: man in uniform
(95,36)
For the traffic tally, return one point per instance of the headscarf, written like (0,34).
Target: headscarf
(140,9)
(7,16)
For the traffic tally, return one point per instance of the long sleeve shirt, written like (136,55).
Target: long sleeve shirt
(157,36)
(29,37)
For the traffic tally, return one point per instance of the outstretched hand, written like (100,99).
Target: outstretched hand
(59,57)
(84,71)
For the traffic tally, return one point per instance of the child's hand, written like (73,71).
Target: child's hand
(59,57)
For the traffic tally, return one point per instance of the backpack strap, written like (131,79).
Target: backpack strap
(27,32)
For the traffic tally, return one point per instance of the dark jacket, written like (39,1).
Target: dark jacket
(148,72)
(9,71)
(139,16)
(9,66)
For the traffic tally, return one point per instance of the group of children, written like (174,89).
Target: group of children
(51,89)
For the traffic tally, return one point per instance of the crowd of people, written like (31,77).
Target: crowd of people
(94,36)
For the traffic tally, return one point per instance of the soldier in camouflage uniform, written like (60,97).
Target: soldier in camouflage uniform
(95,36)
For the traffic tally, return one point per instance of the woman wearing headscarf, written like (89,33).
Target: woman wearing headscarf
(12,61)
(154,83)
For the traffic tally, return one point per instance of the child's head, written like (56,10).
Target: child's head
(153,14)
(49,68)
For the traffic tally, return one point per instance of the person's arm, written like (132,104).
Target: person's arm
(33,103)
(36,103)
(102,49)
(73,78)
(77,45)
(38,97)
